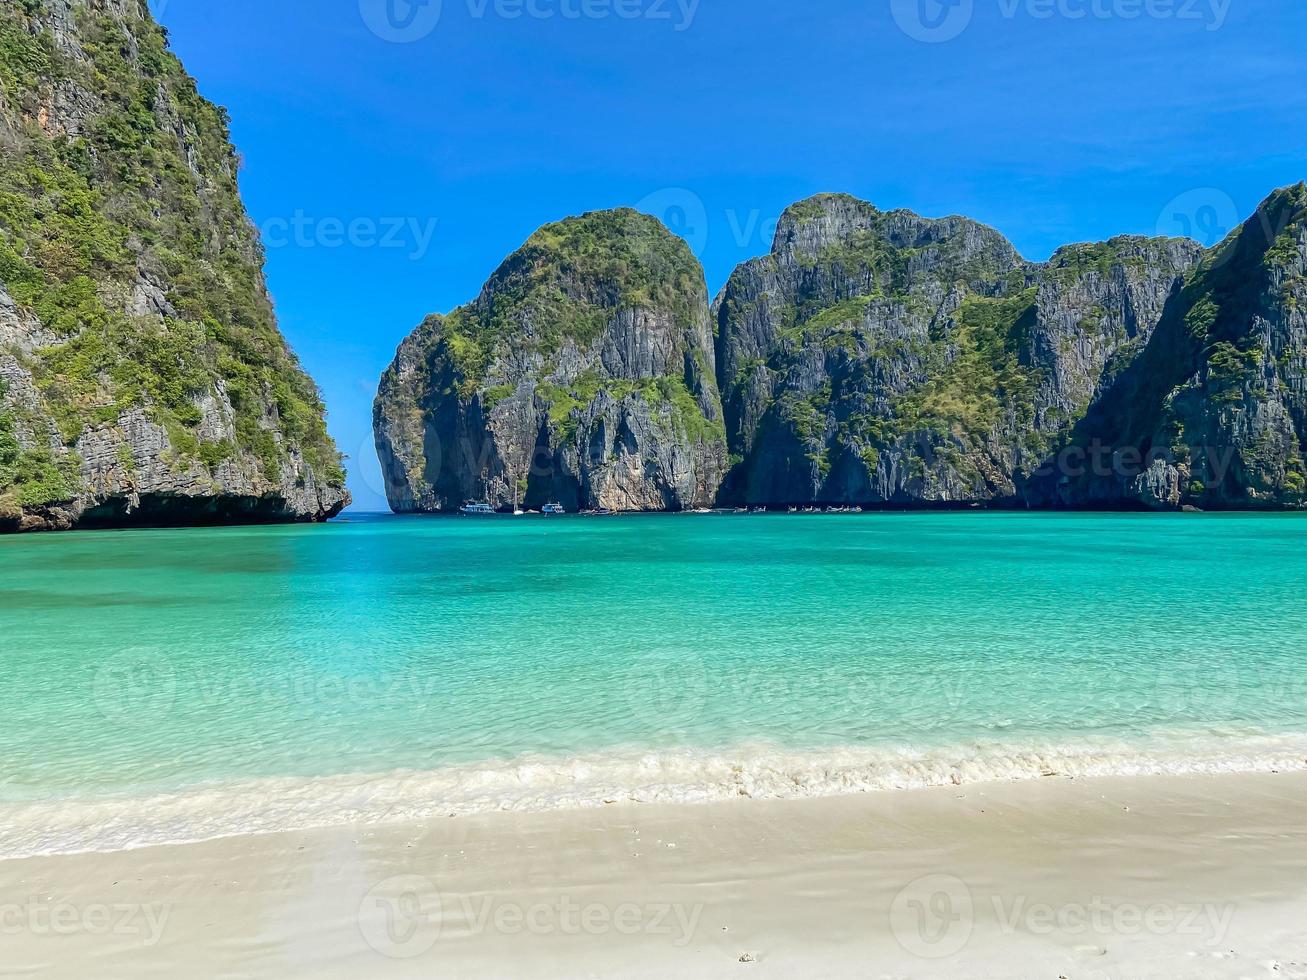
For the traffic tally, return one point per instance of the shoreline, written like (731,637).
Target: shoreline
(950,508)
(825,509)
(1194,876)
(642,777)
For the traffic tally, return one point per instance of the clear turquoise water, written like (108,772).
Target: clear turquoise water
(166,662)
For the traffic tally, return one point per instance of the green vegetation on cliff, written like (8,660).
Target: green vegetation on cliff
(975,373)
(136,188)
(566,401)
(582,373)
(883,356)
(566,282)
(29,477)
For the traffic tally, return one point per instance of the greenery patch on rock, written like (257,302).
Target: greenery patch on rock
(123,237)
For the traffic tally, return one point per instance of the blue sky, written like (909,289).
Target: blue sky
(394,154)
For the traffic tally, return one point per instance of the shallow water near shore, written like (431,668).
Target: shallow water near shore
(383,668)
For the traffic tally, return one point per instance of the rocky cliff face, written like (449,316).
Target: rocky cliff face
(583,373)
(1212,410)
(874,358)
(142,375)
(887,359)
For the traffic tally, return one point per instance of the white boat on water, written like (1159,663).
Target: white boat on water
(476,509)
(553,509)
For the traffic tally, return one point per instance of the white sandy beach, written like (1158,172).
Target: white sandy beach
(1193,877)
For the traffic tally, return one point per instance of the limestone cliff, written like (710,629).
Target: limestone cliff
(142,375)
(1212,412)
(583,373)
(888,359)
(873,358)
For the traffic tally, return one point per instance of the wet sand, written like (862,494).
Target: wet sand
(1193,876)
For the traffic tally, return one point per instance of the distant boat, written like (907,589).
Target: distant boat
(552,509)
(793,510)
(758,510)
(474,509)
(598,512)
(741,510)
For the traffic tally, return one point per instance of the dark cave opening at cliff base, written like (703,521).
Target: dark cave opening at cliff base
(168,510)
(548,480)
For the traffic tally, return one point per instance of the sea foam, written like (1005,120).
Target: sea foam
(538,783)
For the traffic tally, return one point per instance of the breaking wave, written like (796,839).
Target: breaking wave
(668,776)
